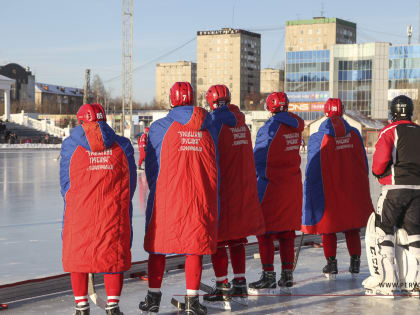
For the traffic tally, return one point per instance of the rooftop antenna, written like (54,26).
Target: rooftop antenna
(322,9)
(419,22)
(233,14)
(409,33)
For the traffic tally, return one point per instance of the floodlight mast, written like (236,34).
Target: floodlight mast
(127,62)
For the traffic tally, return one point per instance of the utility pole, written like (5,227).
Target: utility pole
(86,89)
(127,62)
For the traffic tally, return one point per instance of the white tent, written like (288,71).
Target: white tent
(5,85)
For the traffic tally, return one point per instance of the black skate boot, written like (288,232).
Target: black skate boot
(113,309)
(151,302)
(219,298)
(266,284)
(240,292)
(330,270)
(354,265)
(286,281)
(82,309)
(193,306)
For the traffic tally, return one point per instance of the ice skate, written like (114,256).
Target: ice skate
(354,268)
(151,302)
(286,281)
(113,309)
(239,292)
(82,309)
(379,289)
(219,298)
(266,284)
(330,270)
(193,306)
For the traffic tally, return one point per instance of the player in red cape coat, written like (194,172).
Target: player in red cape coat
(98,180)
(336,188)
(182,207)
(240,211)
(277,161)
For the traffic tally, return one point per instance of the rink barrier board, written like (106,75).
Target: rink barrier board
(59,284)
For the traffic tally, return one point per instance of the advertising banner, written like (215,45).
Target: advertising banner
(306,107)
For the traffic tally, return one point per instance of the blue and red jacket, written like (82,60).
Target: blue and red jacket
(182,173)
(238,185)
(336,188)
(98,180)
(277,161)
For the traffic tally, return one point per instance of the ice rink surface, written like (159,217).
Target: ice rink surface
(31,211)
(312,293)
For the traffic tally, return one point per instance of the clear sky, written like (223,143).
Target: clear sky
(59,39)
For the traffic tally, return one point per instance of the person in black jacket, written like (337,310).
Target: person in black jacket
(396,164)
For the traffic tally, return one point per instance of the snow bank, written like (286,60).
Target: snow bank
(30,146)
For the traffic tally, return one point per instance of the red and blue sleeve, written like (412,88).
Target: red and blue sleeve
(382,157)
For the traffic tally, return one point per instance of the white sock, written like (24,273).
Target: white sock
(192,292)
(154,290)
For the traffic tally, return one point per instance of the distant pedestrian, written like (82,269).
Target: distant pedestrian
(142,142)
(302,146)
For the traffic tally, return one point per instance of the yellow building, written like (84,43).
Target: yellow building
(231,57)
(272,80)
(169,73)
(319,33)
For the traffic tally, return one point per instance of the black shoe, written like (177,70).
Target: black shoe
(151,302)
(113,309)
(286,278)
(220,297)
(354,264)
(193,306)
(330,270)
(239,291)
(266,284)
(82,310)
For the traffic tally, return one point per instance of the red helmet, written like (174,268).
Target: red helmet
(181,94)
(277,102)
(146,129)
(217,95)
(333,107)
(91,112)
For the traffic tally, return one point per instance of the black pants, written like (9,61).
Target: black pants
(399,208)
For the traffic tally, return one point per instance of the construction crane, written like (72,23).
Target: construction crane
(127,62)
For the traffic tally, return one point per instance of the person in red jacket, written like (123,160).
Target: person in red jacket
(277,161)
(336,189)
(182,207)
(142,142)
(98,180)
(238,198)
(396,165)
